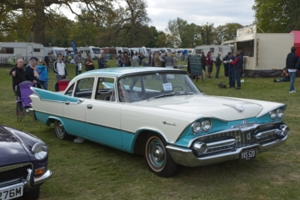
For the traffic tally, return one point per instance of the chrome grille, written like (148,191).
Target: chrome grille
(243,138)
(14,173)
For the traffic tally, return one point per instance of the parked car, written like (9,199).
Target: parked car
(23,164)
(160,113)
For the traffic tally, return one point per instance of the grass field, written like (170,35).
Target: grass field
(92,171)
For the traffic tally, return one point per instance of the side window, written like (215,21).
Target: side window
(84,88)
(69,92)
(105,89)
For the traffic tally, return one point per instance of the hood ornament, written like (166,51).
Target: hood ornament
(238,107)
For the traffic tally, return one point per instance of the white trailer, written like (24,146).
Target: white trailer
(11,51)
(91,50)
(264,53)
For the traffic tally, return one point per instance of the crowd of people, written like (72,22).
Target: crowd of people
(37,69)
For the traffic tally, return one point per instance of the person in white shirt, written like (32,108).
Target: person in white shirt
(59,68)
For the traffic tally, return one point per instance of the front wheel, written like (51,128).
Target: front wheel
(158,158)
(32,194)
(60,131)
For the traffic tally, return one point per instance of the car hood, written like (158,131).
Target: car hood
(11,150)
(222,108)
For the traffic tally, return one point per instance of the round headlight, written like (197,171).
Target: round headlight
(280,112)
(40,150)
(273,114)
(196,127)
(206,125)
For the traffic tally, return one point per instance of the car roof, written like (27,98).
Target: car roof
(119,71)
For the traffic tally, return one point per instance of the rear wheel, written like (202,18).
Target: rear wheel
(60,131)
(158,158)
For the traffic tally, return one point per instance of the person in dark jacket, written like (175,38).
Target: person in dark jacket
(203,61)
(225,63)
(31,73)
(18,74)
(238,66)
(291,63)
(101,62)
(209,64)
(218,64)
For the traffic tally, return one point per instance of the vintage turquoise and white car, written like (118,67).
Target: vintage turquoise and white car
(160,113)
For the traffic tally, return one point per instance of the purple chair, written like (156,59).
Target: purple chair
(23,101)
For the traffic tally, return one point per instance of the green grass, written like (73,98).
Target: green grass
(92,171)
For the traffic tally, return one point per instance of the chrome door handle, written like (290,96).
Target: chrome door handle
(89,106)
(67,102)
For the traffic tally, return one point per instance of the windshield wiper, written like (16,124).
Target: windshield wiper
(171,94)
(184,93)
(163,95)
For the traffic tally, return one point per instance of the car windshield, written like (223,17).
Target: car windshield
(156,85)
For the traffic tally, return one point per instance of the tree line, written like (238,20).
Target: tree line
(102,23)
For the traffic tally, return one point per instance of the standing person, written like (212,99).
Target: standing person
(18,74)
(157,60)
(225,63)
(78,59)
(152,62)
(175,61)
(231,71)
(218,64)
(89,65)
(135,60)
(101,61)
(238,66)
(43,73)
(291,63)
(47,60)
(59,68)
(203,61)
(209,64)
(127,62)
(31,73)
(150,58)
(169,60)
(120,62)
(141,57)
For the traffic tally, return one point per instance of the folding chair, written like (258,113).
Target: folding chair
(61,85)
(23,102)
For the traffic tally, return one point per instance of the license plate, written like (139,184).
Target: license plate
(11,193)
(247,154)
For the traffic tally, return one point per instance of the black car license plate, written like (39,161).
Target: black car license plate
(11,193)
(247,154)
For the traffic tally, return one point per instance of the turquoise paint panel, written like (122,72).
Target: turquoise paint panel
(128,141)
(74,127)
(42,117)
(218,125)
(104,135)
(54,96)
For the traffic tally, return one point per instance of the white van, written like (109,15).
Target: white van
(11,51)
(142,50)
(91,50)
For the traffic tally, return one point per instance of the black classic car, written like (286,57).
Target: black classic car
(23,164)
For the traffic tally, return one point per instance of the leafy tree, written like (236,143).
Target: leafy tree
(226,32)
(131,21)
(38,12)
(207,32)
(177,30)
(277,16)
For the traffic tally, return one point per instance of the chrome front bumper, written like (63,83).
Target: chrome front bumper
(186,157)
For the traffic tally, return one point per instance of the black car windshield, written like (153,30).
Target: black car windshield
(156,85)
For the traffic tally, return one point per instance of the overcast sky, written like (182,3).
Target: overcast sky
(218,12)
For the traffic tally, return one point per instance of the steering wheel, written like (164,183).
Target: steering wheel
(177,86)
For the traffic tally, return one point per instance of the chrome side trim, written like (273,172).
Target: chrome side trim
(221,143)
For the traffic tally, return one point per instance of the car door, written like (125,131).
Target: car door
(75,106)
(103,114)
